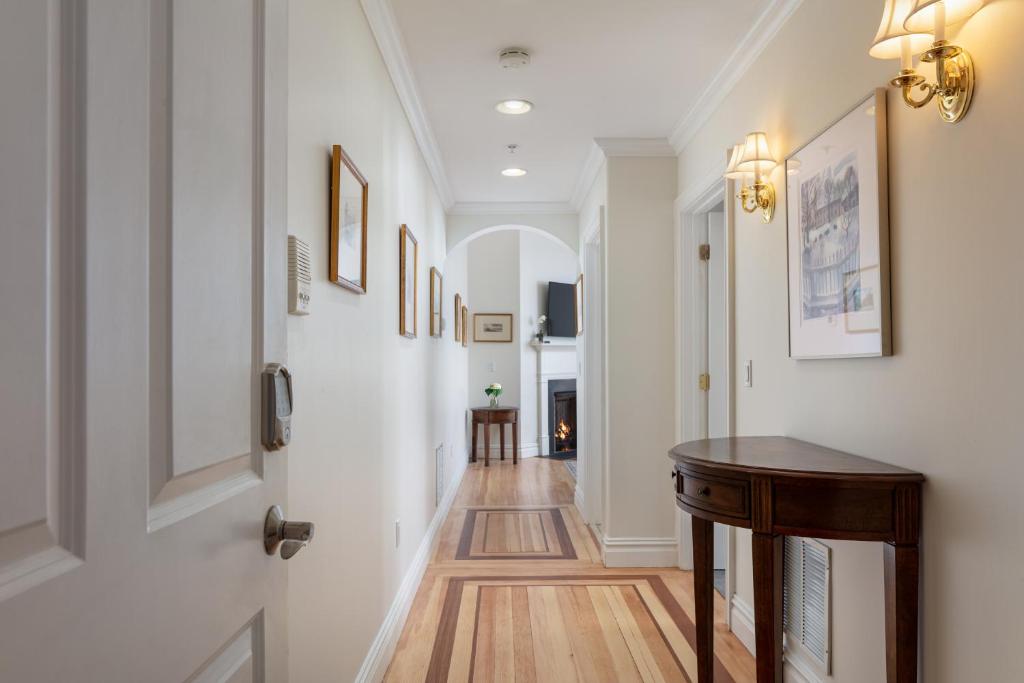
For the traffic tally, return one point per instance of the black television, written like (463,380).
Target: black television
(561,309)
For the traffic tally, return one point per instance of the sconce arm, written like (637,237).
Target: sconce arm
(928,88)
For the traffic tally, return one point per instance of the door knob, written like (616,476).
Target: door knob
(290,536)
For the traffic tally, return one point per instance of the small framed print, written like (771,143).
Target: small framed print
(492,327)
(838,238)
(408,262)
(465,326)
(458,317)
(347,243)
(578,305)
(436,282)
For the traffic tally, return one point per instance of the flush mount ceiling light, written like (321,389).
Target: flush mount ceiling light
(513,172)
(513,58)
(514,106)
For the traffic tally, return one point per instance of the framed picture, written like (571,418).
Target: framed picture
(436,282)
(347,244)
(578,305)
(458,317)
(492,327)
(408,264)
(465,326)
(837,230)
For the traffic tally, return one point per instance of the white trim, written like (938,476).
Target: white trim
(588,174)
(638,551)
(742,58)
(509,208)
(635,147)
(383,647)
(578,498)
(742,616)
(392,49)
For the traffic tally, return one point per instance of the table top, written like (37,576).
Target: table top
(489,408)
(778,454)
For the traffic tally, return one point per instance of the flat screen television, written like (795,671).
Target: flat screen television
(561,309)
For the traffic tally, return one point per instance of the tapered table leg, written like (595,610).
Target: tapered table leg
(475,425)
(501,435)
(703,598)
(515,440)
(902,576)
(767,556)
(487,444)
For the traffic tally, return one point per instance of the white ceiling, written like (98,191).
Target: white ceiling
(600,68)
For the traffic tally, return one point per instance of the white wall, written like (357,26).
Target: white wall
(371,406)
(947,402)
(561,225)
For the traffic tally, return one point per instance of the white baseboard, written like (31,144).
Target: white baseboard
(383,647)
(795,670)
(577,499)
(639,552)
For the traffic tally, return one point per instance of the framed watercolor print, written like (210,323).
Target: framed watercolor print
(347,244)
(465,326)
(578,305)
(408,263)
(458,317)
(838,238)
(436,282)
(492,327)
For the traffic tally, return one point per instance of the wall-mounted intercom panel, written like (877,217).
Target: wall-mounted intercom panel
(300,280)
(277,407)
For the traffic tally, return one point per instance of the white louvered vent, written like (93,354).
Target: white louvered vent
(299,276)
(806,596)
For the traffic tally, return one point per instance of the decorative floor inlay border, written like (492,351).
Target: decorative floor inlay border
(620,627)
(536,533)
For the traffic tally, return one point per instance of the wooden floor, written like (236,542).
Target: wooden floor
(516,591)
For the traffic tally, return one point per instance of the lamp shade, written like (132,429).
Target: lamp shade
(734,161)
(757,158)
(891,32)
(922,15)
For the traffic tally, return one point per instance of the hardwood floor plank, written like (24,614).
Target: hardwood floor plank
(483,648)
(462,648)
(522,628)
(645,662)
(551,648)
(667,661)
(591,656)
(504,636)
(622,660)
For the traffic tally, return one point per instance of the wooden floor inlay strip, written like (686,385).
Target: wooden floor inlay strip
(515,534)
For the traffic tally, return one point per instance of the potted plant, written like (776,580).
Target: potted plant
(542,326)
(493,391)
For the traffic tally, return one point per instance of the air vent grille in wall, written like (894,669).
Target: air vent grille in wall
(807,600)
(299,276)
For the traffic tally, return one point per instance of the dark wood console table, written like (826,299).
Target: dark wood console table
(779,487)
(501,416)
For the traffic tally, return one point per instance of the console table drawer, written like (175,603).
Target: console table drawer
(722,496)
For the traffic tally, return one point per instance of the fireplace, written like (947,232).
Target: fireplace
(562,418)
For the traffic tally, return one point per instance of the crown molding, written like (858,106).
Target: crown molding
(635,147)
(746,53)
(588,174)
(392,49)
(506,208)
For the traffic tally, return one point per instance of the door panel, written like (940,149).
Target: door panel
(157,296)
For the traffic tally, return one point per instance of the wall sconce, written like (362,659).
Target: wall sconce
(754,157)
(907,28)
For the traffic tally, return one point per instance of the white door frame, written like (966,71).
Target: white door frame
(593,359)
(690,210)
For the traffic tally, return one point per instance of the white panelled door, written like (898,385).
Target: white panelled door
(142,273)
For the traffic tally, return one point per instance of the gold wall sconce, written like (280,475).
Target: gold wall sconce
(911,27)
(754,158)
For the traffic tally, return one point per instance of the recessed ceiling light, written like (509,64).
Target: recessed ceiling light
(513,172)
(514,106)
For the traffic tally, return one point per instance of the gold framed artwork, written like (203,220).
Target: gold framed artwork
(465,326)
(492,327)
(458,317)
(347,243)
(578,305)
(436,284)
(408,266)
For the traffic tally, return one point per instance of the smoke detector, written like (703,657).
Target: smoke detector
(513,58)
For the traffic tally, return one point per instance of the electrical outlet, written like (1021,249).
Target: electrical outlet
(398,532)
(748,373)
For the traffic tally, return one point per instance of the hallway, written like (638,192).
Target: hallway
(516,591)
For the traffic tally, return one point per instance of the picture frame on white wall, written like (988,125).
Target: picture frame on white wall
(408,263)
(837,231)
(492,327)
(458,317)
(436,289)
(347,239)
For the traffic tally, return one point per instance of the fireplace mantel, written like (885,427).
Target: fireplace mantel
(556,359)
(554,343)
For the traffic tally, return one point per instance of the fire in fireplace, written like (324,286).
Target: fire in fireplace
(562,417)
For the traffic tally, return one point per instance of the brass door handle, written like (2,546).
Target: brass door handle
(291,537)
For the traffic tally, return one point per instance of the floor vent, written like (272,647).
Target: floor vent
(807,599)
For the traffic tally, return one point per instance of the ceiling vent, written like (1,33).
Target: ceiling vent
(513,58)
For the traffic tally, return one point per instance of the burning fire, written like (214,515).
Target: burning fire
(563,430)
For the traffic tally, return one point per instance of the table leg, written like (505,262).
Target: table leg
(501,434)
(487,444)
(515,441)
(474,440)
(902,574)
(703,598)
(767,555)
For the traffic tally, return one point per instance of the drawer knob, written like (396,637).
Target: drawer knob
(675,474)
(704,491)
